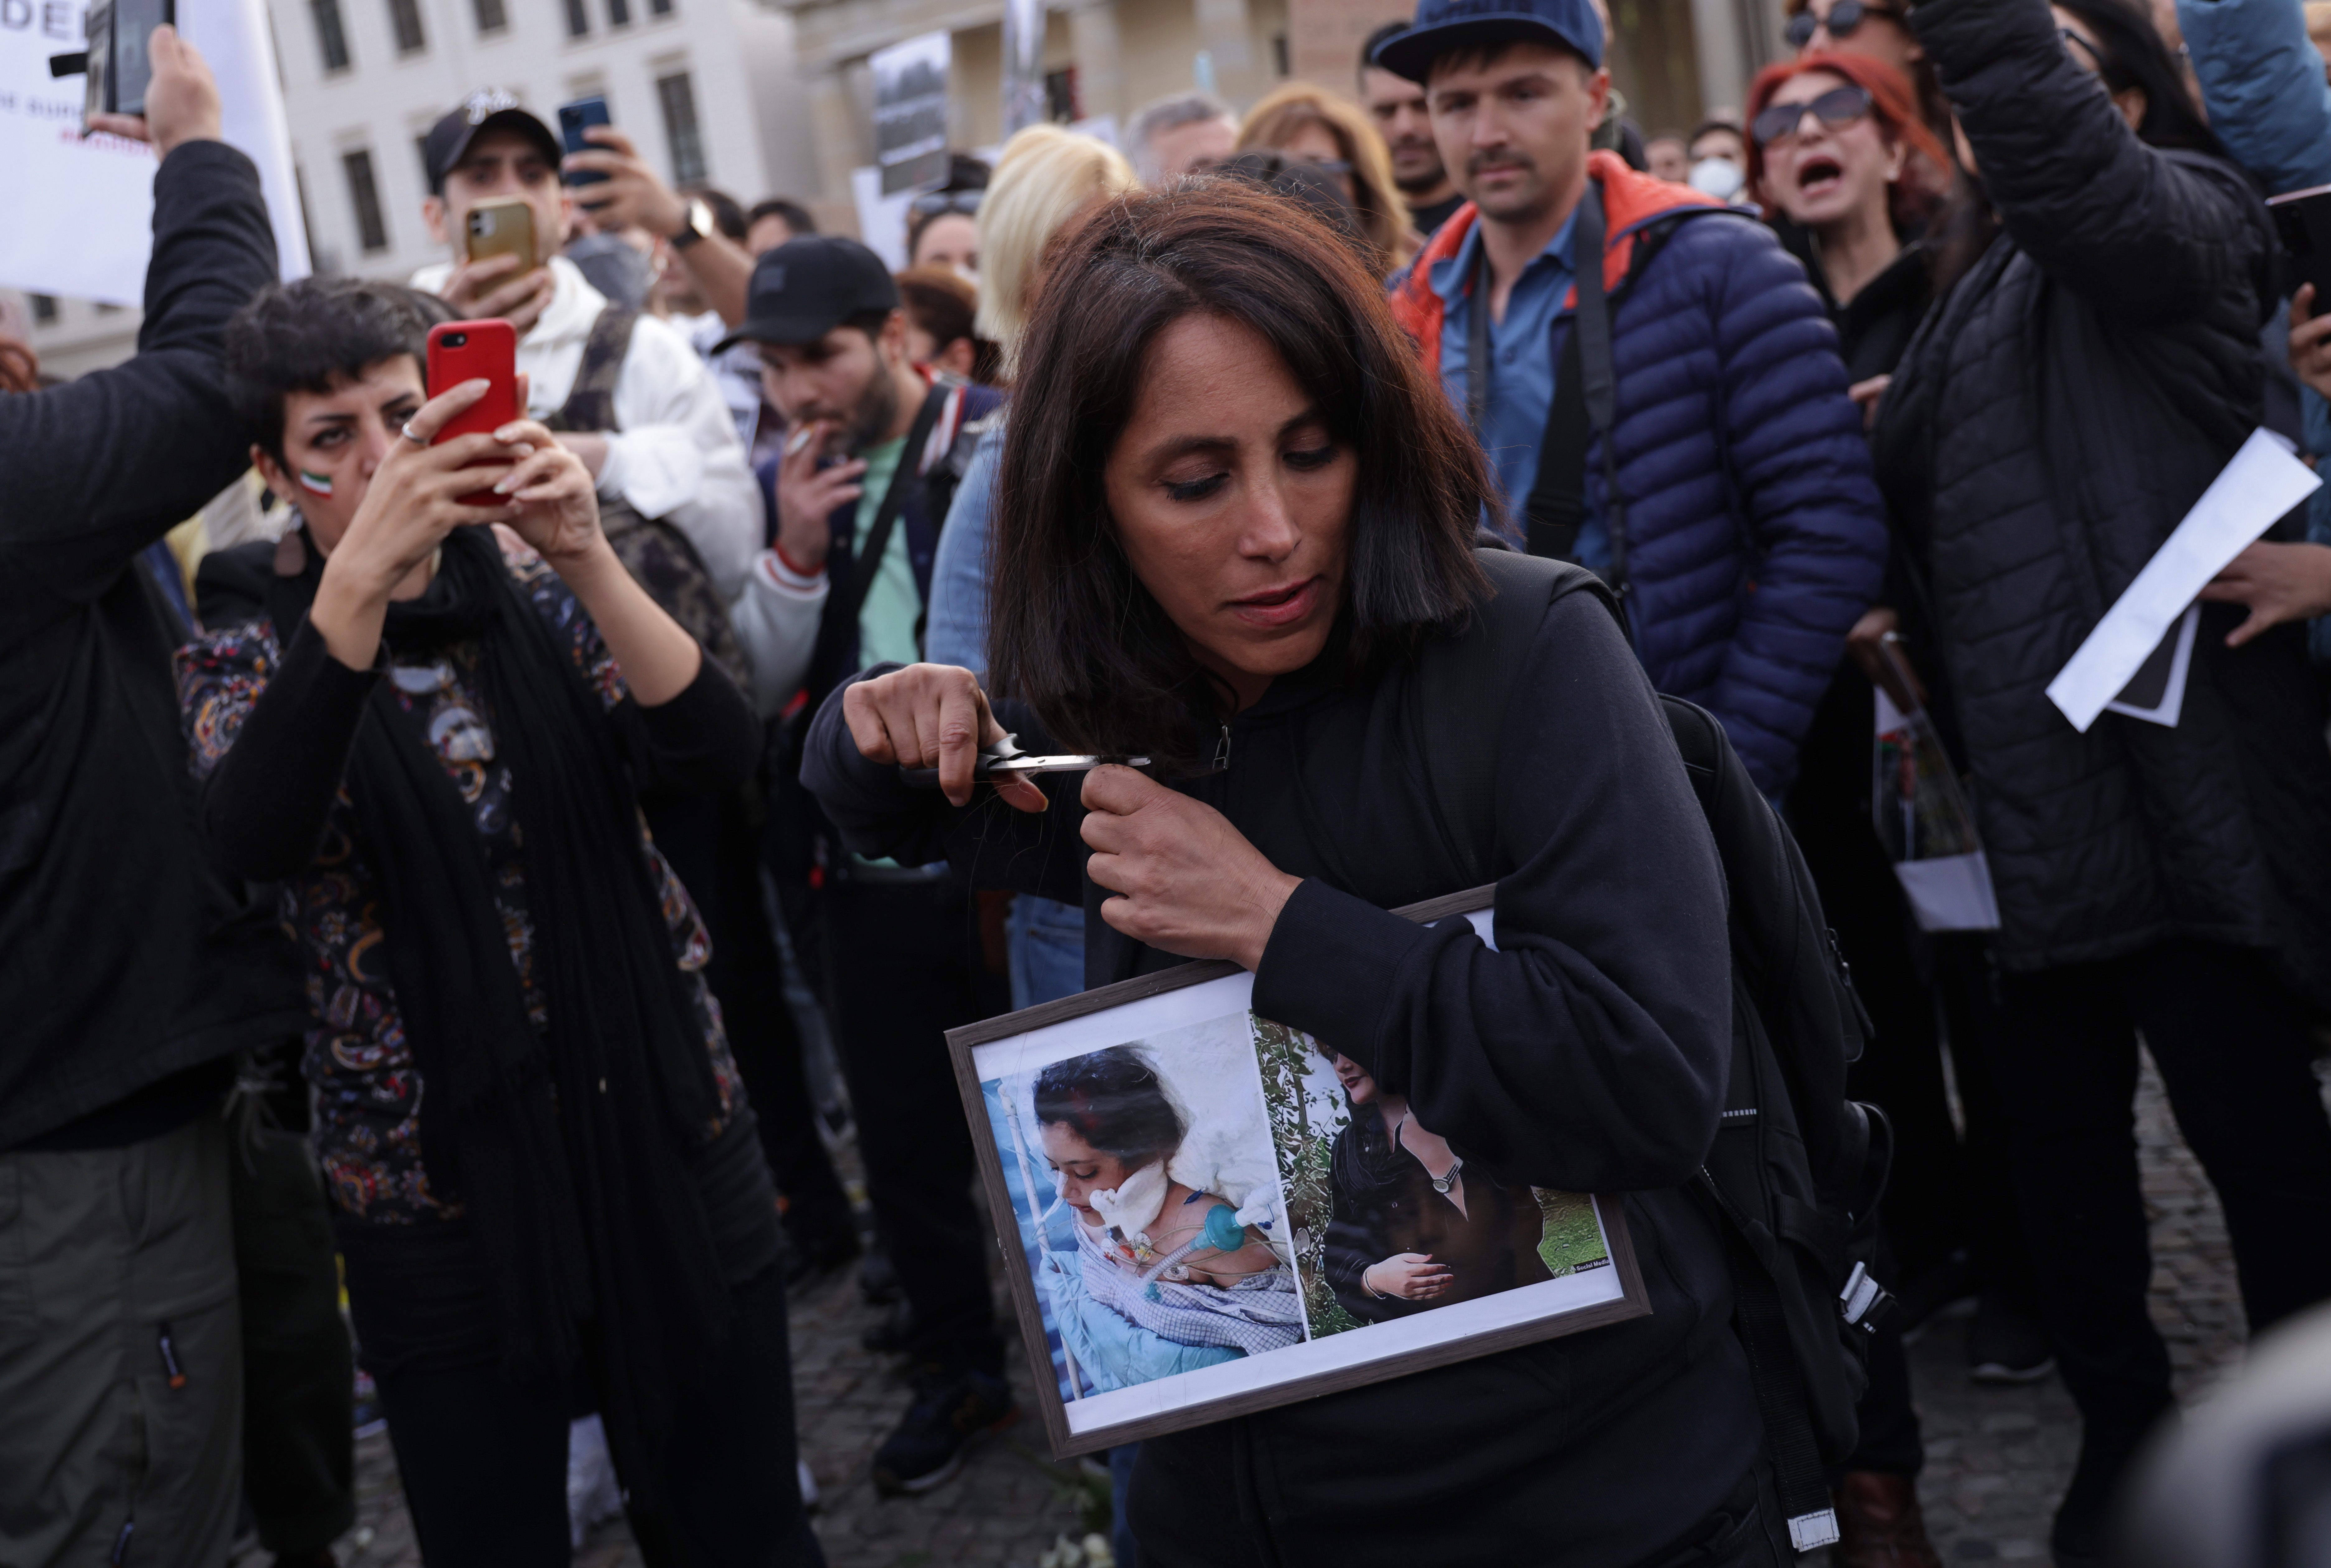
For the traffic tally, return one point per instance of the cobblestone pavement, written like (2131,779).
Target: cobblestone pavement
(1997,1457)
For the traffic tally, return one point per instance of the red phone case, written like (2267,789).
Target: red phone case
(484,350)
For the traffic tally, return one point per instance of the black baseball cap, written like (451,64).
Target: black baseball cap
(1444,26)
(488,109)
(809,286)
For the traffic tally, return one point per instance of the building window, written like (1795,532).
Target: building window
(687,143)
(1279,53)
(364,194)
(44,309)
(405,20)
(619,13)
(105,310)
(492,16)
(330,34)
(660,7)
(578,21)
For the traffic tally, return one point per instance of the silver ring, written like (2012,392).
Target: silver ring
(406,430)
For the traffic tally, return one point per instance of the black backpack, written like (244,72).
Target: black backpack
(1797,1169)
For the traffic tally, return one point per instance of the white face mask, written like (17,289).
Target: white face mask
(1717,177)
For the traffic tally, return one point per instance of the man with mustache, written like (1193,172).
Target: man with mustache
(1705,459)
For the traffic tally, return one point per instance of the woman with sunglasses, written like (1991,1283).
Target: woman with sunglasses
(1302,121)
(1879,30)
(2091,367)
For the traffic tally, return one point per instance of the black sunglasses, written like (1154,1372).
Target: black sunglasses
(1836,109)
(1843,18)
(931,203)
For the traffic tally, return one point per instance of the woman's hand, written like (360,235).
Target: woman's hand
(2310,353)
(931,716)
(2278,582)
(1867,394)
(409,508)
(557,505)
(1408,1277)
(1187,881)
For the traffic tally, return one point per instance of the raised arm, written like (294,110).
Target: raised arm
(101,467)
(2135,230)
(1589,1049)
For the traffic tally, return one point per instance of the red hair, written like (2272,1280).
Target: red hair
(1890,100)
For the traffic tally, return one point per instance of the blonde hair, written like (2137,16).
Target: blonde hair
(1046,176)
(1383,215)
(2318,20)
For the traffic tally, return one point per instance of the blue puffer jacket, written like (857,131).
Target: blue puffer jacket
(1755,533)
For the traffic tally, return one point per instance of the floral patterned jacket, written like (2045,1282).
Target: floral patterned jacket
(367,1090)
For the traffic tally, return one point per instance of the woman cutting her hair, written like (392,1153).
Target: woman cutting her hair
(1234,524)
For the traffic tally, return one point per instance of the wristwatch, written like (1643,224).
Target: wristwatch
(697,227)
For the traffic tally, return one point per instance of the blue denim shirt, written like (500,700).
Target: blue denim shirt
(1522,369)
(1046,938)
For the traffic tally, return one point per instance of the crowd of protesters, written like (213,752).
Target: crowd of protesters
(402,886)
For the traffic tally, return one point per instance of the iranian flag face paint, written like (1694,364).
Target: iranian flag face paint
(316,484)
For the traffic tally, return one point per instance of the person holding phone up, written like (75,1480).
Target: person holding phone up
(133,973)
(623,391)
(546,1173)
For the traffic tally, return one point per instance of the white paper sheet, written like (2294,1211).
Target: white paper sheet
(1950,892)
(2261,483)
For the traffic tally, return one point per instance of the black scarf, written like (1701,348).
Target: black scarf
(572,1154)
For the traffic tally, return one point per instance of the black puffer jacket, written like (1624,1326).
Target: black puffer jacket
(2054,420)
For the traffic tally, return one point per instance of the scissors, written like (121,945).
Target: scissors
(1004,760)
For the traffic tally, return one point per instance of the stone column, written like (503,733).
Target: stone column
(1094,43)
(1226,31)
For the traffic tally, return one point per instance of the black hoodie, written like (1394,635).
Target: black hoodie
(129,961)
(1588,1052)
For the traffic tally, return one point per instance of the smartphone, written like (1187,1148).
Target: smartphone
(502,228)
(574,119)
(118,70)
(2303,219)
(463,351)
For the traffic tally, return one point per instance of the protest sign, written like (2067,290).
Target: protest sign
(81,207)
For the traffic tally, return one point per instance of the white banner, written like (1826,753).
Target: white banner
(82,209)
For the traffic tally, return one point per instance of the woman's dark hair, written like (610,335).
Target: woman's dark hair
(305,335)
(2135,55)
(794,217)
(1114,1101)
(1300,181)
(1072,630)
(937,301)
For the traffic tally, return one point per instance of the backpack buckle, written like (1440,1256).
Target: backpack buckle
(1863,1302)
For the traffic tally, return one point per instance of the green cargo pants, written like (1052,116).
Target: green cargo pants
(120,1354)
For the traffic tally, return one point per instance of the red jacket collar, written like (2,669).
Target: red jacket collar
(1629,200)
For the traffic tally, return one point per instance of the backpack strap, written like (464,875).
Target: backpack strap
(590,403)
(1585,406)
(839,626)
(1462,688)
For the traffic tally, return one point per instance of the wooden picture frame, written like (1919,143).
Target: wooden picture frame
(1186,1022)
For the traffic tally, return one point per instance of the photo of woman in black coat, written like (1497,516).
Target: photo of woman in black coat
(1235,515)
(2092,366)
(1415,1225)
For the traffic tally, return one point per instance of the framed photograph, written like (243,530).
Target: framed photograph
(1205,1213)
